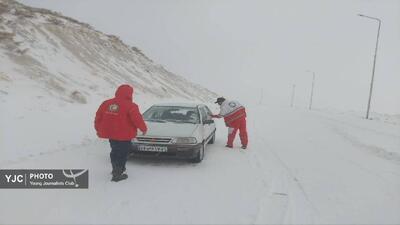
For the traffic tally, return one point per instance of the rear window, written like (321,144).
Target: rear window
(176,114)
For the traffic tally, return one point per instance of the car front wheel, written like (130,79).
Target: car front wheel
(200,155)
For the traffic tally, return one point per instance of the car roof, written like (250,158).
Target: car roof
(180,104)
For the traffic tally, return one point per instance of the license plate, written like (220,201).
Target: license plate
(149,148)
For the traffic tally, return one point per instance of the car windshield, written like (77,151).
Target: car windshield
(176,114)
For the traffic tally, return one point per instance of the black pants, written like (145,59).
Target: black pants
(119,153)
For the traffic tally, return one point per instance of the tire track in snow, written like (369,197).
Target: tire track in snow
(294,178)
(272,206)
(291,178)
(287,174)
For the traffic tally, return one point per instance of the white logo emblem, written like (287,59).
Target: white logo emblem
(113,108)
(74,175)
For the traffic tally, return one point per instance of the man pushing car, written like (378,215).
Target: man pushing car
(234,115)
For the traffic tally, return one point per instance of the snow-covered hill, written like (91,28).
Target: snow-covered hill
(55,71)
(69,60)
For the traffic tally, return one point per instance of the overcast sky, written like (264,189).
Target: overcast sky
(241,49)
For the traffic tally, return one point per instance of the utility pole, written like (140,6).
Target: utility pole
(312,89)
(293,95)
(373,67)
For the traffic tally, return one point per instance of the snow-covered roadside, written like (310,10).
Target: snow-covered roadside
(341,181)
(377,137)
(393,119)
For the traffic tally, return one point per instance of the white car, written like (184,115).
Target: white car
(176,130)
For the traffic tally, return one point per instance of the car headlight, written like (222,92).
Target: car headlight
(184,140)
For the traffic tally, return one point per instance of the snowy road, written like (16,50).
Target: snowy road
(301,167)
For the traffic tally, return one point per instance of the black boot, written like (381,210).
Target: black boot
(118,175)
(114,169)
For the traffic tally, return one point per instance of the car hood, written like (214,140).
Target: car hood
(170,129)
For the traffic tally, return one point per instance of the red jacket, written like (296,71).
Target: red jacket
(232,112)
(233,119)
(119,118)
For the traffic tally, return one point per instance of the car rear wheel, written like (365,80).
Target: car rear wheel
(200,155)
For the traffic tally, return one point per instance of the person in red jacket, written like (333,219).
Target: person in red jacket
(234,115)
(118,119)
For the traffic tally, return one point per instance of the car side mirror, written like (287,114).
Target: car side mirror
(208,121)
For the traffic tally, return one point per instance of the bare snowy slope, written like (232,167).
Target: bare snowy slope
(63,58)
